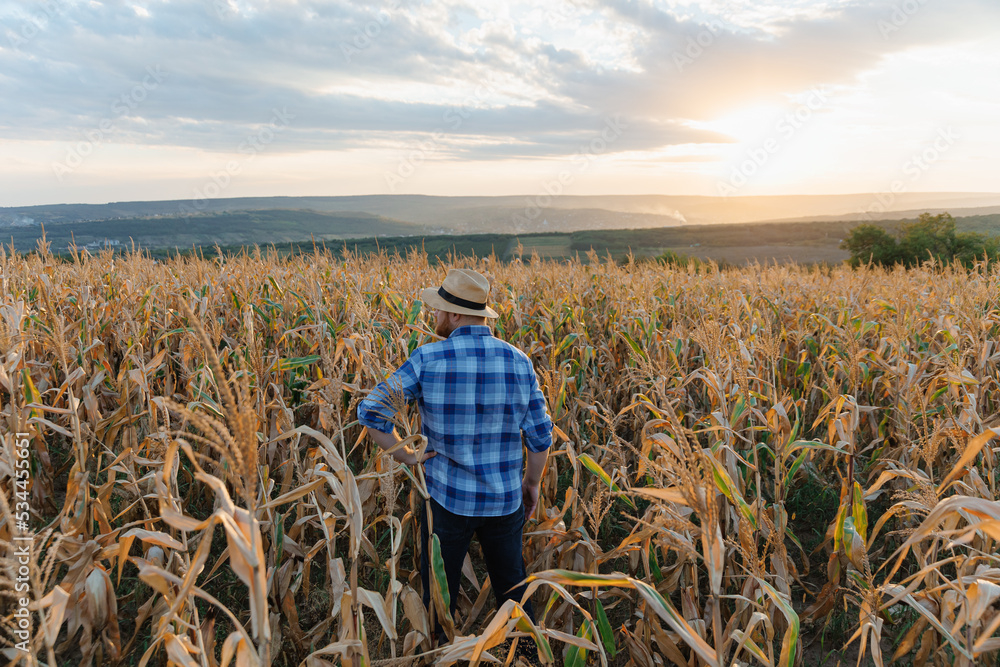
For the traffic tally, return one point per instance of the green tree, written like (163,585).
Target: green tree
(868,243)
(931,236)
(970,247)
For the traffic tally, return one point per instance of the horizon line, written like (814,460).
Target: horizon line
(504,196)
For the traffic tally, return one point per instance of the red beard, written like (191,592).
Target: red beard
(443,328)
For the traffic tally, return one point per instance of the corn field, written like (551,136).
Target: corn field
(760,466)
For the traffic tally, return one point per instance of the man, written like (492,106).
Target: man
(476,395)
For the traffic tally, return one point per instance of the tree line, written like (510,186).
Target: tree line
(931,236)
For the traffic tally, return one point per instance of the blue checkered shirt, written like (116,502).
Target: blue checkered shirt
(476,394)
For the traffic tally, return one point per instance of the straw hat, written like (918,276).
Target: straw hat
(463,291)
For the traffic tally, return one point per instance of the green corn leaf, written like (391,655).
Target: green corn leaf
(571,578)
(635,346)
(565,343)
(414,312)
(553,599)
(811,444)
(654,600)
(274,284)
(728,488)
(768,450)
(365,660)
(838,533)
(860,513)
(790,643)
(557,409)
(291,363)
(795,429)
(31,394)
(591,465)
(266,317)
(854,545)
(738,409)
(790,535)
(524,624)
(666,611)
(847,534)
(796,464)
(577,656)
(937,394)
(305,306)
(753,648)
(439,587)
(858,579)
(604,628)
(654,566)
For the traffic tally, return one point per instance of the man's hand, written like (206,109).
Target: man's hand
(529,496)
(408,455)
(535,465)
(404,454)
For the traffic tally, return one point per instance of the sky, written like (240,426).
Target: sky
(199,99)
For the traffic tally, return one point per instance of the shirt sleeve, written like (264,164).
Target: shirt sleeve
(377,410)
(537,425)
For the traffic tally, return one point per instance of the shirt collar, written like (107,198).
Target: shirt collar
(472,330)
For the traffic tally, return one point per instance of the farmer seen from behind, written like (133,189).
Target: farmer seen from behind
(476,395)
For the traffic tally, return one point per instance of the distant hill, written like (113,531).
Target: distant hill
(262,227)
(263,220)
(487,212)
(957,212)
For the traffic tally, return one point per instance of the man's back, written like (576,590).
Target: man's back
(476,394)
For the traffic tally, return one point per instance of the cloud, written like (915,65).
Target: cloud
(525,82)
(697,69)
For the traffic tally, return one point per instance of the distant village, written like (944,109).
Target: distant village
(103,243)
(11,220)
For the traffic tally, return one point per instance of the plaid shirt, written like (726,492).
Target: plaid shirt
(476,393)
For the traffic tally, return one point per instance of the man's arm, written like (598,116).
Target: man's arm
(377,410)
(537,427)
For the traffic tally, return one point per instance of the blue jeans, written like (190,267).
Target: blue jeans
(501,538)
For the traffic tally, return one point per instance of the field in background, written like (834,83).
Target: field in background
(752,466)
(298,230)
